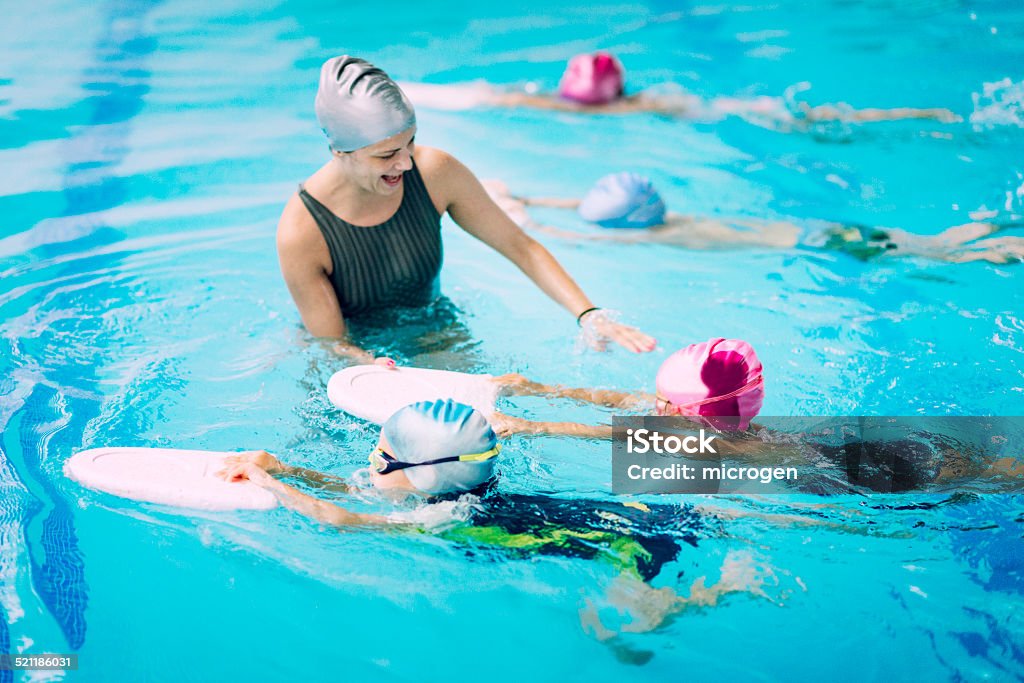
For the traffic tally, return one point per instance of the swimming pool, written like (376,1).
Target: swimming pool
(148,148)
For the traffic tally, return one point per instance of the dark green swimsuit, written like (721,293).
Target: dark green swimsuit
(636,540)
(395,263)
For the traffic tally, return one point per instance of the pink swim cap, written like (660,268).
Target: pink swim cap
(593,79)
(717,378)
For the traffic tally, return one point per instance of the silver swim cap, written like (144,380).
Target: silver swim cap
(431,430)
(357,104)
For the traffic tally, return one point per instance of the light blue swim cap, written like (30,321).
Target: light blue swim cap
(357,104)
(623,200)
(429,430)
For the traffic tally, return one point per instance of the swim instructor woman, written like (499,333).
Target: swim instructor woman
(364,232)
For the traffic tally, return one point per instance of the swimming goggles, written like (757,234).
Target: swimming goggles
(662,405)
(383,462)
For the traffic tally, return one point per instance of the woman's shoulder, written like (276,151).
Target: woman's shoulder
(438,165)
(432,161)
(442,173)
(297,230)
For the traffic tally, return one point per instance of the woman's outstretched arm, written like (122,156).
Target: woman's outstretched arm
(469,205)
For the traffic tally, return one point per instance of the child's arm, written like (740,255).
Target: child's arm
(272,465)
(828,112)
(514,384)
(549,202)
(506,425)
(303,503)
(627,237)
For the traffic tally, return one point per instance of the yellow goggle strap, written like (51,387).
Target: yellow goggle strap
(480,457)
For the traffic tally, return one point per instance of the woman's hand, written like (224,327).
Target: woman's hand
(599,328)
(265,461)
(246,471)
(361,357)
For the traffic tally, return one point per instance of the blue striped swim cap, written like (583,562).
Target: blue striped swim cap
(430,430)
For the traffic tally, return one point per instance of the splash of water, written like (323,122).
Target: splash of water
(1000,103)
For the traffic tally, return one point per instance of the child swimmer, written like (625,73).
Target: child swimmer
(595,84)
(443,448)
(427,448)
(719,381)
(627,200)
(720,384)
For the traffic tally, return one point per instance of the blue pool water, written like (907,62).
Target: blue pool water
(146,150)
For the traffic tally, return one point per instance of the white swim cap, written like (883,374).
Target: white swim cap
(357,104)
(430,430)
(623,200)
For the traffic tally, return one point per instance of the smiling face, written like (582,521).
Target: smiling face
(378,168)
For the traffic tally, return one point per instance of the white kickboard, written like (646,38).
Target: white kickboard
(375,393)
(168,476)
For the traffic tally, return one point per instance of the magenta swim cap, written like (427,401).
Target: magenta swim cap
(593,79)
(717,378)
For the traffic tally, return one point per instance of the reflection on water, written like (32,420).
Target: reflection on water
(436,336)
(114,86)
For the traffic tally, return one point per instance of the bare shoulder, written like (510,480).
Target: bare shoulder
(296,225)
(298,236)
(436,163)
(445,176)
